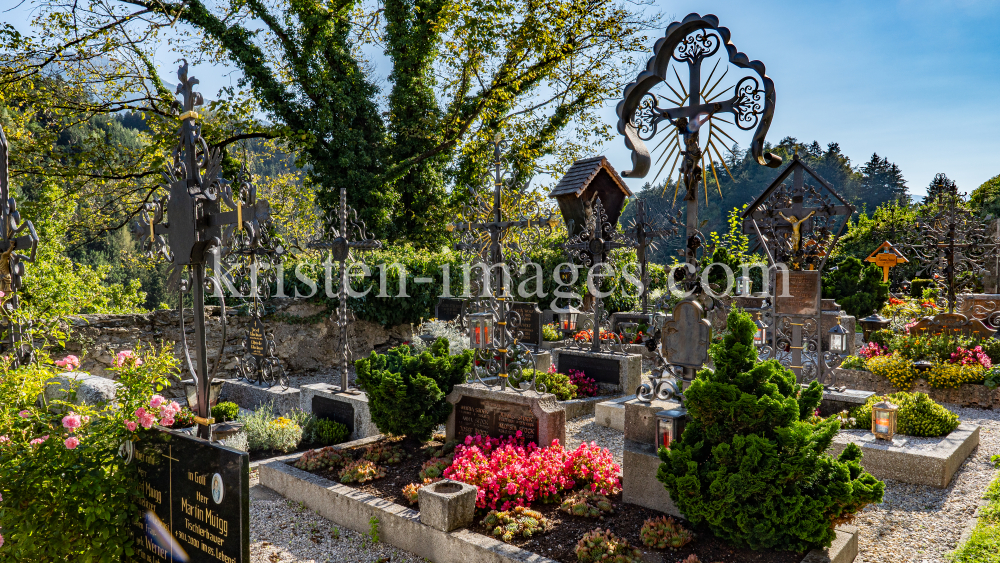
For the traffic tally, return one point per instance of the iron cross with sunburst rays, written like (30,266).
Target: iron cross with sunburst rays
(696,105)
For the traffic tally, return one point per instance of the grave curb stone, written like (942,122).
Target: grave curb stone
(250,396)
(611,414)
(639,484)
(550,414)
(583,406)
(363,425)
(629,365)
(400,526)
(917,465)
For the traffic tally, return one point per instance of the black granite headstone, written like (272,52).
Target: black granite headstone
(337,411)
(619,318)
(449,309)
(601,370)
(196,500)
(531,322)
(496,419)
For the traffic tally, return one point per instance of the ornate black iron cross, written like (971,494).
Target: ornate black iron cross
(17,246)
(189,228)
(351,235)
(644,231)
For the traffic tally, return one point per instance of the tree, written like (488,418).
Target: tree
(536,72)
(940,185)
(856,286)
(986,198)
(881,182)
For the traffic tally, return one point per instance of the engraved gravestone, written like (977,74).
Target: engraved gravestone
(337,411)
(601,370)
(803,289)
(531,322)
(449,309)
(687,336)
(195,504)
(475,416)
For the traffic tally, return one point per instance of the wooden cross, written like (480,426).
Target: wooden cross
(886,257)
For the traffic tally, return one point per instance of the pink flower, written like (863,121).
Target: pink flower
(71,422)
(156,401)
(37,441)
(71,443)
(1,535)
(24,414)
(4,440)
(130,425)
(70,362)
(85,419)
(127,357)
(167,421)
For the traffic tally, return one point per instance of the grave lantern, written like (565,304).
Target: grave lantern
(884,420)
(838,338)
(567,319)
(760,337)
(670,426)
(659,319)
(922,365)
(905,286)
(744,286)
(872,323)
(481,330)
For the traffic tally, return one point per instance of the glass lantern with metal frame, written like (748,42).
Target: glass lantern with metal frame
(884,420)
(670,426)
(481,331)
(838,339)
(760,337)
(744,286)
(567,320)
(872,323)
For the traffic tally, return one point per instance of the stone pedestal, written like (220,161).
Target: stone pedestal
(351,410)
(837,401)
(621,370)
(640,461)
(250,396)
(497,414)
(447,505)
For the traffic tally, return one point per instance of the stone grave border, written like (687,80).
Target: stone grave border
(928,465)
(400,526)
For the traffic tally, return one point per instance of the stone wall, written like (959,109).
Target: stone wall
(306,338)
(968,394)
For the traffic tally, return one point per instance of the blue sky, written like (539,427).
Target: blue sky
(917,81)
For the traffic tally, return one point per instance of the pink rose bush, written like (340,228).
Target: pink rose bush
(69,363)
(126,358)
(71,443)
(508,473)
(160,411)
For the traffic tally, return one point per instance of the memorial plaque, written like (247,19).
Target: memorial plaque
(256,342)
(601,370)
(531,322)
(449,309)
(686,335)
(496,419)
(332,409)
(195,504)
(803,291)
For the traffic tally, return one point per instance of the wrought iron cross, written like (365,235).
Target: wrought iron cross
(17,246)
(189,228)
(644,231)
(591,248)
(351,235)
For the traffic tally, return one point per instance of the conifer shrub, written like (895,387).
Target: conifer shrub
(406,392)
(748,467)
(918,415)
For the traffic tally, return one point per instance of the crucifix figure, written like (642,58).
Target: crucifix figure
(340,251)
(796,228)
(189,228)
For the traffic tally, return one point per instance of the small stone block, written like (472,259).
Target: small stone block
(621,370)
(920,461)
(90,389)
(250,396)
(495,413)
(639,484)
(350,409)
(447,505)
(640,419)
(837,401)
(612,413)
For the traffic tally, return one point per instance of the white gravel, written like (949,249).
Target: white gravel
(583,429)
(283,531)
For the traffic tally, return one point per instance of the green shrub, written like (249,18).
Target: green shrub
(556,383)
(853,362)
(882,337)
(267,433)
(857,287)
(406,393)
(550,333)
(748,467)
(329,432)
(918,285)
(62,504)
(226,411)
(918,415)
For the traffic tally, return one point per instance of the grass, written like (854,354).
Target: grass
(983,545)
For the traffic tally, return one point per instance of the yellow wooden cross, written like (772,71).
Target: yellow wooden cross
(886,257)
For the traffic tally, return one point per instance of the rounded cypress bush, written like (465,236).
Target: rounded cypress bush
(748,467)
(918,415)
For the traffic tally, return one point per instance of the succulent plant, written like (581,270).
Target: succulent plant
(385,453)
(410,492)
(361,471)
(517,522)
(586,503)
(444,449)
(605,547)
(664,532)
(325,458)
(434,467)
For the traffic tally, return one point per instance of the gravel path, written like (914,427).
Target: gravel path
(583,429)
(282,531)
